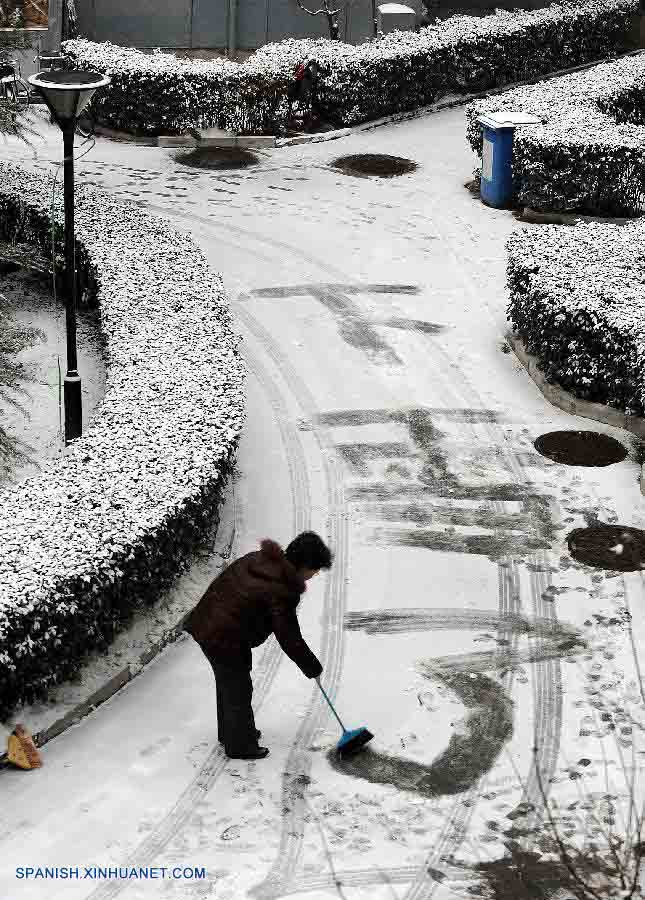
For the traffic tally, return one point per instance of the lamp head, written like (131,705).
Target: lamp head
(67,92)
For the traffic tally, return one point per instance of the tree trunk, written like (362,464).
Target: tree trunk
(334,31)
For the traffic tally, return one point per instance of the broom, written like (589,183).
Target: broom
(21,750)
(351,741)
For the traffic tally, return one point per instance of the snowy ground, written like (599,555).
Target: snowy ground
(28,299)
(383,412)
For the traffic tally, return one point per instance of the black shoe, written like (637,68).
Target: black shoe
(258,735)
(252,753)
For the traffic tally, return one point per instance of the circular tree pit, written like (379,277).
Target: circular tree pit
(217,158)
(580,448)
(365,164)
(616,547)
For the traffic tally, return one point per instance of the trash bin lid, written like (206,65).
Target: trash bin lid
(394,9)
(504,119)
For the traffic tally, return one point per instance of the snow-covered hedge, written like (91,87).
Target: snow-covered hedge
(157,93)
(589,153)
(100,530)
(576,300)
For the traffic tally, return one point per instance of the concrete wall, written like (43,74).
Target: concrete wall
(136,23)
(192,24)
(204,23)
(208,19)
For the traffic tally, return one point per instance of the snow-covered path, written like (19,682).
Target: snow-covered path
(383,413)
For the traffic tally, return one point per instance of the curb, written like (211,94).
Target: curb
(446,104)
(257,140)
(115,683)
(125,136)
(187,140)
(103,693)
(226,140)
(567,402)
(536,217)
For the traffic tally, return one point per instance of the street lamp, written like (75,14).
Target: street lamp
(67,93)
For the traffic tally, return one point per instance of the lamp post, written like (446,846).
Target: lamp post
(67,93)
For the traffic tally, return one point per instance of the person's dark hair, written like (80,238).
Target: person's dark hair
(309,551)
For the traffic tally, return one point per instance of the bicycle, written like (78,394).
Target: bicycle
(13,88)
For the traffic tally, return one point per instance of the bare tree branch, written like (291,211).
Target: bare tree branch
(308,11)
(331,14)
(325,9)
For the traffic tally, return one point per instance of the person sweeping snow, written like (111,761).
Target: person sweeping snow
(254,597)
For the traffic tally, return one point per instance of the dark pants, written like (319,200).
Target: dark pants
(235,721)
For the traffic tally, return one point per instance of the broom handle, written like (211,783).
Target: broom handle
(331,705)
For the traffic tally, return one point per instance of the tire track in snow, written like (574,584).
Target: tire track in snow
(547,675)
(462,811)
(282,873)
(247,234)
(267,668)
(548,678)
(547,681)
(299,759)
(509,604)
(551,698)
(360,878)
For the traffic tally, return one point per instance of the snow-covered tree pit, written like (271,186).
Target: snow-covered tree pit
(157,93)
(102,529)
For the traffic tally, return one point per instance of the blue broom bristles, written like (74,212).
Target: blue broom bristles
(354,740)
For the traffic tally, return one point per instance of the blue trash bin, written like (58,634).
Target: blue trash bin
(497,155)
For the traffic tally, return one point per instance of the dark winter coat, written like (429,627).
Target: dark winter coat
(254,597)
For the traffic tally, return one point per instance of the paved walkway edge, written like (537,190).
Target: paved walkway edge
(103,693)
(566,401)
(125,136)
(257,140)
(113,684)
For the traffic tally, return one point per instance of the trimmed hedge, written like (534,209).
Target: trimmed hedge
(159,94)
(589,153)
(576,301)
(111,522)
